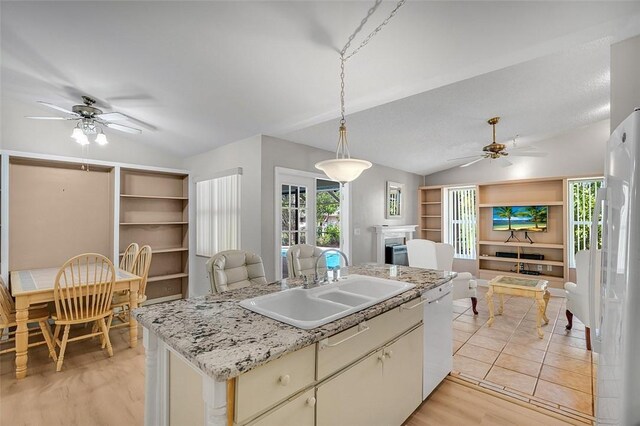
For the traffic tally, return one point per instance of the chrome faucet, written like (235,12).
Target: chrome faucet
(344,256)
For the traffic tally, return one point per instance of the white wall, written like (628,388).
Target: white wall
(245,154)
(368,205)
(625,83)
(367,197)
(53,137)
(579,152)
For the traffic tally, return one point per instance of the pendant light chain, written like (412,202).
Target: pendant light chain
(343,168)
(343,52)
(343,147)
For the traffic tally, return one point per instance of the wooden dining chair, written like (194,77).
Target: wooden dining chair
(83,291)
(38,315)
(121,301)
(129,257)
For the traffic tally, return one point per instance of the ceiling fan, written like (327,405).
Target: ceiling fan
(90,121)
(496,150)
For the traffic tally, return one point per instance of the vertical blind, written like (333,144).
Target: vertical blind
(218,215)
(461,223)
(582,201)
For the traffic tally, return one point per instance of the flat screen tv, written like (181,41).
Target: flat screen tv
(520,218)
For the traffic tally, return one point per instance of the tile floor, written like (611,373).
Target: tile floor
(555,372)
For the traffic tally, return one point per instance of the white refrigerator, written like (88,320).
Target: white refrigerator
(615,302)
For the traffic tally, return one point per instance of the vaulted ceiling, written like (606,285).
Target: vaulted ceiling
(198,75)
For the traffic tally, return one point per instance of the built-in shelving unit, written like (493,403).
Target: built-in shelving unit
(430,213)
(550,244)
(154,210)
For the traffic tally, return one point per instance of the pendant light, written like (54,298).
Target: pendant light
(343,168)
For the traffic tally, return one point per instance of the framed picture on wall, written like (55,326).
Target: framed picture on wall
(394,203)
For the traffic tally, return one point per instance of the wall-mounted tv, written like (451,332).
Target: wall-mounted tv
(520,218)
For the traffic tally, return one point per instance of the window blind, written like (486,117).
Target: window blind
(218,215)
(461,221)
(582,201)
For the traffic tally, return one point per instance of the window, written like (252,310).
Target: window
(218,215)
(582,201)
(461,221)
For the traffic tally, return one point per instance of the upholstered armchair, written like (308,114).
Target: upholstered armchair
(430,255)
(234,269)
(301,259)
(578,292)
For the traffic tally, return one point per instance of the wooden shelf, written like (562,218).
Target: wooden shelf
(154,210)
(521,260)
(167,277)
(166,250)
(153,197)
(522,244)
(152,223)
(432,202)
(431,215)
(523,203)
(431,230)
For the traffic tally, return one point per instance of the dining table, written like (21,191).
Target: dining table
(35,286)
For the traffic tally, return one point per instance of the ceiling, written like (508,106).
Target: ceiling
(198,75)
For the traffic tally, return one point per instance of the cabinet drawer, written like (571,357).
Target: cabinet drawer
(297,412)
(263,387)
(380,330)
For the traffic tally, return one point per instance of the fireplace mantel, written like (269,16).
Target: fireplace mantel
(384,232)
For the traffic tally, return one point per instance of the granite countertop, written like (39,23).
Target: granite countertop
(225,340)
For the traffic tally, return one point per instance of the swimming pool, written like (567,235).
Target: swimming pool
(332,259)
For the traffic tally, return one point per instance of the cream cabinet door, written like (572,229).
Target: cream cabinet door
(402,378)
(352,397)
(297,412)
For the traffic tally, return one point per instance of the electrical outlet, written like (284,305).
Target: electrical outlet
(540,268)
(549,268)
(356,231)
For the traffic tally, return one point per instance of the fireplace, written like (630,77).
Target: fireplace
(386,235)
(396,254)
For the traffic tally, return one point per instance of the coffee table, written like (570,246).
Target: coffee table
(524,287)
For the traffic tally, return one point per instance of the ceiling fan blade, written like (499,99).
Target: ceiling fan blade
(528,154)
(56,107)
(464,158)
(122,128)
(472,162)
(50,118)
(112,116)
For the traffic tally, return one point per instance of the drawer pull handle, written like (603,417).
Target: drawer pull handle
(362,327)
(311,401)
(408,308)
(284,380)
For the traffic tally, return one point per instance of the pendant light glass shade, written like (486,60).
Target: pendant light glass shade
(343,170)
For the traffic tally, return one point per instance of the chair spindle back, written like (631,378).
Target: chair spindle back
(141,267)
(84,287)
(6,303)
(129,257)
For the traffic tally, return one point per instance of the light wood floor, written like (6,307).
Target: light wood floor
(94,389)
(454,403)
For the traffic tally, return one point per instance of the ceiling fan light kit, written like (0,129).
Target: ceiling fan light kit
(496,150)
(90,121)
(343,168)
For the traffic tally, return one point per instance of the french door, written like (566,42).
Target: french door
(308,211)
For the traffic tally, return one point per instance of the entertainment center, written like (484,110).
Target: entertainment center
(504,251)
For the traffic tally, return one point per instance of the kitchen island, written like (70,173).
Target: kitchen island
(210,361)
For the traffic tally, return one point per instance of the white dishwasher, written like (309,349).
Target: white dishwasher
(438,336)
